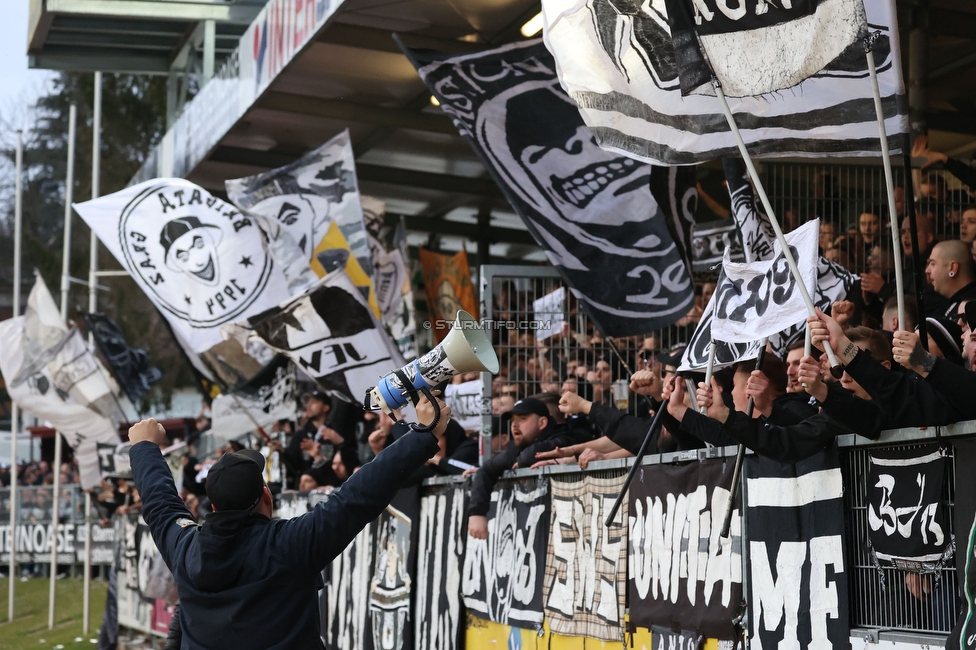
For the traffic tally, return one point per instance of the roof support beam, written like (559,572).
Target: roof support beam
(365,172)
(468,230)
(381,40)
(159,9)
(367,114)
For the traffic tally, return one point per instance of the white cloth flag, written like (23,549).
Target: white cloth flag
(199,260)
(330,333)
(754,300)
(295,204)
(616,60)
(39,395)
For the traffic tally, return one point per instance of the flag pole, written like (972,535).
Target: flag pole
(913,234)
(14,409)
(96,177)
(869,42)
(69,185)
(835,369)
(709,370)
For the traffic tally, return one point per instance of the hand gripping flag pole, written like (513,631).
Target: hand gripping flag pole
(835,367)
(869,42)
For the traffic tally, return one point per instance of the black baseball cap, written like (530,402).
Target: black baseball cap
(528,406)
(318,395)
(673,356)
(971,313)
(236,480)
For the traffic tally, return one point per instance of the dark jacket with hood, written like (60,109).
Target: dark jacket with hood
(249,582)
(554,435)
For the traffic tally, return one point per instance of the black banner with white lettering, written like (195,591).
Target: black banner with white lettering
(797,573)
(437,619)
(663,638)
(344,603)
(674,510)
(503,575)
(599,215)
(907,520)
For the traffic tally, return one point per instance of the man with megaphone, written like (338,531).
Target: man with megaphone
(247,581)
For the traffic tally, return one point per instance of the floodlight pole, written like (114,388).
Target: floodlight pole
(14,409)
(69,185)
(836,368)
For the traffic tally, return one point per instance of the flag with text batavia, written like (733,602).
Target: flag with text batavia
(201,262)
(330,333)
(617,231)
(617,61)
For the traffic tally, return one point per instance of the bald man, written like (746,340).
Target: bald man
(952,273)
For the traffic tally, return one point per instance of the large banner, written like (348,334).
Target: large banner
(200,261)
(616,60)
(683,575)
(908,525)
(295,204)
(591,210)
(266,398)
(331,334)
(502,579)
(345,608)
(391,584)
(146,590)
(586,567)
(798,577)
(437,612)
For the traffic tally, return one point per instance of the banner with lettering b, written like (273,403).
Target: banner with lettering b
(797,579)
(683,575)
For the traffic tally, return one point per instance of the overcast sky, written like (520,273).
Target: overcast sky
(19,86)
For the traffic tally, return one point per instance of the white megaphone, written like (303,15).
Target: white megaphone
(467,348)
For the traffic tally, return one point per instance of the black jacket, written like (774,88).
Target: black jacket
(957,385)
(554,435)
(249,582)
(967,293)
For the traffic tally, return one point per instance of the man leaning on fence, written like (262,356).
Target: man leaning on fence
(245,580)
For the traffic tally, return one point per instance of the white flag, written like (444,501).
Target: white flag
(295,204)
(266,398)
(616,60)
(40,395)
(754,300)
(330,333)
(199,260)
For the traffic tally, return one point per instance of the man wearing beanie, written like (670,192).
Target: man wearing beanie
(247,581)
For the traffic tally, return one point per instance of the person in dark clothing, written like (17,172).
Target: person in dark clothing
(297,457)
(532,431)
(955,383)
(244,580)
(952,273)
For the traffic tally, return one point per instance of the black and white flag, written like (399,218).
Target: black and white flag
(267,397)
(330,333)
(617,245)
(438,619)
(129,365)
(683,574)
(197,258)
(616,60)
(502,578)
(51,375)
(295,204)
(586,567)
(708,244)
(907,519)
(798,577)
(754,53)
(755,300)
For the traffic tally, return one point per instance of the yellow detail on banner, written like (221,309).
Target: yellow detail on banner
(481,634)
(335,247)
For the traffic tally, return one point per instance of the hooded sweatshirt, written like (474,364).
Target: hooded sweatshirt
(249,582)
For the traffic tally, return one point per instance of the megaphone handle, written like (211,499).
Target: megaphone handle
(437,412)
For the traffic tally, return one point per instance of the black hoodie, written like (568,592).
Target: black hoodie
(249,582)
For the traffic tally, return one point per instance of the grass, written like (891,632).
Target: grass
(29,627)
